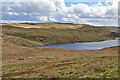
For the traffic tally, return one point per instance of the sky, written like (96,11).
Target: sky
(97,12)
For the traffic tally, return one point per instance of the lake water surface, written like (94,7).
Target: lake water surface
(85,45)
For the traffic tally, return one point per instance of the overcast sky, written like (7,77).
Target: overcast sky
(103,13)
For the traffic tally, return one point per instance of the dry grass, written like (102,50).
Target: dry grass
(20,61)
(24,62)
(53,35)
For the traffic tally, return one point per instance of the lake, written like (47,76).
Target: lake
(85,45)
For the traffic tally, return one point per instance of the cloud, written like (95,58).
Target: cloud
(43,18)
(49,10)
(15,21)
(65,19)
(52,19)
(12,13)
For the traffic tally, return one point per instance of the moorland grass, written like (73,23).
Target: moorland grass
(84,67)
(20,61)
(55,35)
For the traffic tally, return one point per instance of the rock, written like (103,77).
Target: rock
(110,66)
(48,58)
(70,72)
(21,58)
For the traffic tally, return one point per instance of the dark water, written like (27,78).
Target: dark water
(85,45)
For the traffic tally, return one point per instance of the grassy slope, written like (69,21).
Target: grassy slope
(47,25)
(55,35)
(19,61)
(97,67)
(23,62)
(12,40)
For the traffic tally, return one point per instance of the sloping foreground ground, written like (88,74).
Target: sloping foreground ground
(24,62)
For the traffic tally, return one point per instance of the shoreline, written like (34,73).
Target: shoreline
(80,44)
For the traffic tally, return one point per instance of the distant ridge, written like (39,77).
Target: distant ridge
(55,23)
(83,25)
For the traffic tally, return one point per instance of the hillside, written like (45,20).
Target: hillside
(20,61)
(58,33)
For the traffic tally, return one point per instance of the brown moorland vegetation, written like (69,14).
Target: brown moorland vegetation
(20,61)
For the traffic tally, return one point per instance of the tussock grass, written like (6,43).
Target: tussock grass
(97,67)
(92,67)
